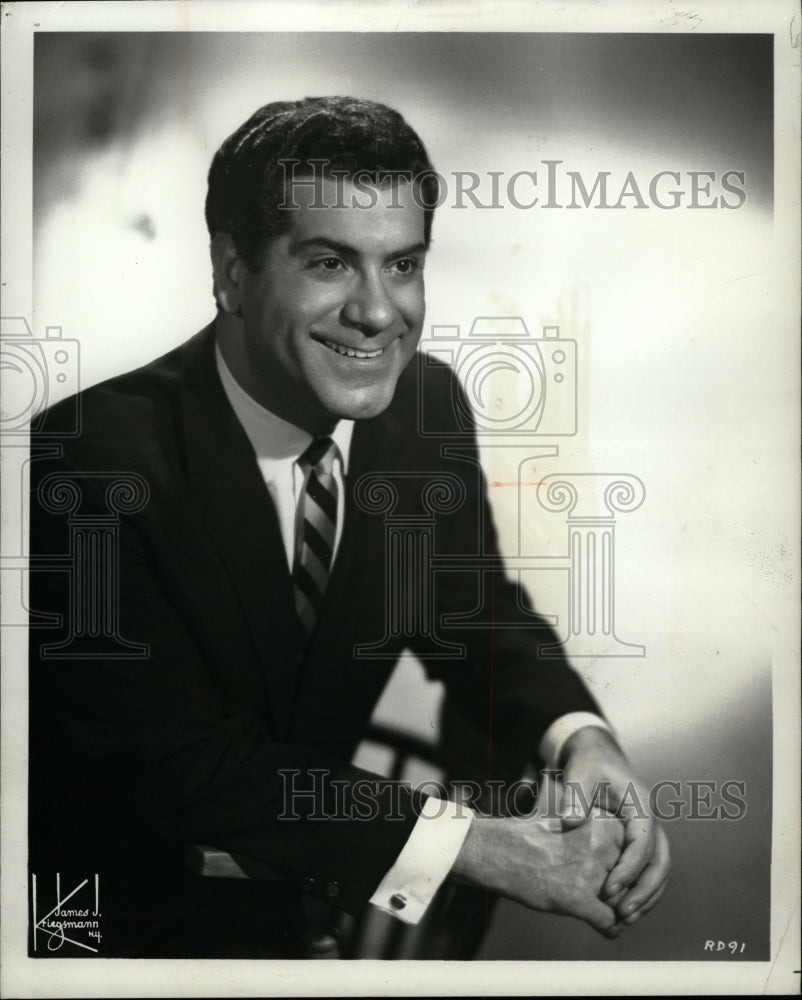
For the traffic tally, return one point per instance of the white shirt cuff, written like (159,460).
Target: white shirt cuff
(561,729)
(425,860)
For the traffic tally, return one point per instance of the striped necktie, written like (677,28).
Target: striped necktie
(318,520)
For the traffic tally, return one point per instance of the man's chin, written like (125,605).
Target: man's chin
(362,406)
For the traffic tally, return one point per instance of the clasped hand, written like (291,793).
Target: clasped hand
(542,865)
(602,857)
(596,771)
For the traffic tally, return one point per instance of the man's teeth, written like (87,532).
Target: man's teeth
(352,352)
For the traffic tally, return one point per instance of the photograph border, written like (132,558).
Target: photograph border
(21,976)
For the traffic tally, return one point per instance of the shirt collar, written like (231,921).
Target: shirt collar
(277,442)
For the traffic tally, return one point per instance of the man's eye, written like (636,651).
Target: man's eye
(406,265)
(329,264)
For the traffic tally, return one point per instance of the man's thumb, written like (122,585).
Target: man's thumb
(575,806)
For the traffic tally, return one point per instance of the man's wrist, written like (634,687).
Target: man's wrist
(559,732)
(472,863)
(588,739)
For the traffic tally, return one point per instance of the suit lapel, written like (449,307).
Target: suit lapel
(240,519)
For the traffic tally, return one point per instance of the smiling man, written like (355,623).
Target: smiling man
(333,315)
(205,670)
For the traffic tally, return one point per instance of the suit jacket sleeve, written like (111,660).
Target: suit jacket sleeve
(507,690)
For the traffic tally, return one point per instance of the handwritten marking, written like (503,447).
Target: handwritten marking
(731,946)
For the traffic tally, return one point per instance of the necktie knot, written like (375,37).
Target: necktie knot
(320,456)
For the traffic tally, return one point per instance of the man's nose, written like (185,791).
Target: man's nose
(369,307)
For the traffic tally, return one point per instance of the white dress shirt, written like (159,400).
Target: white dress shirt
(437,837)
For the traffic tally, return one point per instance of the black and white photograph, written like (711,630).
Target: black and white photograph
(400,498)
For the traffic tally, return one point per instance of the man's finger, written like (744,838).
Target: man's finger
(648,905)
(650,880)
(641,844)
(616,898)
(600,916)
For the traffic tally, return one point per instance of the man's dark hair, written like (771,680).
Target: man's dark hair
(247,179)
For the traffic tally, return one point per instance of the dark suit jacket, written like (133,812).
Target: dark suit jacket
(134,757)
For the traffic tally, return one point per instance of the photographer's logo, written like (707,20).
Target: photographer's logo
(515,384)
(67,918)
(36,372)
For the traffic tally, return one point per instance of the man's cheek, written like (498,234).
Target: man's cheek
(411,299)
(310,301)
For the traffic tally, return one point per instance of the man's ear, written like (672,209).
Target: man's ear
(228,267)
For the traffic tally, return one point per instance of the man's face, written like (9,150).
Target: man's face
(336,312)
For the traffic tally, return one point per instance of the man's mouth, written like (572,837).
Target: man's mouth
(352,352)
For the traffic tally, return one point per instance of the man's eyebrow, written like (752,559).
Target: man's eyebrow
(346,250)
(418,247)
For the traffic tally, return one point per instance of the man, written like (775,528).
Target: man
(215,686)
